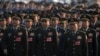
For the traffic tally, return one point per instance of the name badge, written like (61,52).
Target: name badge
(30,39)
(79,37)
(89,40)
(19,33)
(32,34)
(90,34)
(77,42)
(48,39)
(50,33)
(18,39)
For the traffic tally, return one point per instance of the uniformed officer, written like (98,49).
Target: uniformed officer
(91,37)
(3,49)
(55,22)
(22,15)
(94,21)
(3,23)
(35,18)
(9,20)
(30,37)
(46,39)
(75,41)
(16,40)
(98,35)
(61,30)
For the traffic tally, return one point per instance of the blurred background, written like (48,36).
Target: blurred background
(89,2)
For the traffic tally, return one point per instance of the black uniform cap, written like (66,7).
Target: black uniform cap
(27,17)
(72,23)
(16,18)
(54,18)
(28,20)
(45,19)
(2,19)
(85,19)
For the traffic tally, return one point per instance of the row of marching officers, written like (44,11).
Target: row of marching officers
(45,40)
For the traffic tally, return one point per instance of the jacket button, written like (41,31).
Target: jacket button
(44,44)
(0,40)
(14,44)
(73,52)
(73,44)
(14,40)
(44,48)
(14,48)
(73,48)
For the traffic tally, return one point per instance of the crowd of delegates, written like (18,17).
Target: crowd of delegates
(49,29)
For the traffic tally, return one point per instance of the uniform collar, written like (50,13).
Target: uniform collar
(28,28)
(4,27)
(16,27)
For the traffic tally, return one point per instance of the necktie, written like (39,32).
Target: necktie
(73,34)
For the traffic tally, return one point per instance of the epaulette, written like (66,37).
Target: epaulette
(92,29)
(81,31)
(66,32)
(33,28)
(37,28)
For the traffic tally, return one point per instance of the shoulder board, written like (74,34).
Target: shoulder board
(37,28)
(66,32)
(81,32)
(92,29)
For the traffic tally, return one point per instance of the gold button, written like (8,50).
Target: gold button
(14,44)
(44,44)
(14,40)
(44,48)
(73,48)
(73,45)
(73,52)
(14,48)
(14,37)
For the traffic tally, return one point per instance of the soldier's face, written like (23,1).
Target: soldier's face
(17,5)
(3,23)
(28,24)
(85,24)
(9,20)
(74,27)
(46,24)
(36,18)
(31,5)
(94,19)
(63,25)
(80,24)
(63,14)
(55,22)
(16,22)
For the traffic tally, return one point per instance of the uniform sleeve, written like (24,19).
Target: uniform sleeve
(34,48)
(64,43)
(25,42)
(55,41)
(84,45)
(5,40)
(95,44)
